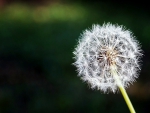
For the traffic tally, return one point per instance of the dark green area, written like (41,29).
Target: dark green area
(36,45)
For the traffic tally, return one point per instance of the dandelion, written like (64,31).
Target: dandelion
(107,57)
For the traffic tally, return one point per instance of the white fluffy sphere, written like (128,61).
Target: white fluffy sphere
(103,46)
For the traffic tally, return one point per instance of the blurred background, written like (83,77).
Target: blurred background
(37,38)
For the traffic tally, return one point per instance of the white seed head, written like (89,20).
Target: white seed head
(103,46)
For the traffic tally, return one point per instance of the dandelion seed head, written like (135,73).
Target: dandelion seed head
(102,46)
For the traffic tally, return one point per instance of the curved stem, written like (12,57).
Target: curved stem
(126,98)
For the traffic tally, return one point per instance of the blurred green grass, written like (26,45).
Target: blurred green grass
(36,44)
(83,15)
(42,14)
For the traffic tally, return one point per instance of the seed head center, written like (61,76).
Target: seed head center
(109,55)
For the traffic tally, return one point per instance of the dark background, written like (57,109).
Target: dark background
(37,38)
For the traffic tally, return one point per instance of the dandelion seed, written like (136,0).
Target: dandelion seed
(107,57)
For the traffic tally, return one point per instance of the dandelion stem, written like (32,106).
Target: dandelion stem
(126,98)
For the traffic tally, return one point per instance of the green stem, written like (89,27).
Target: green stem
(126,98)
